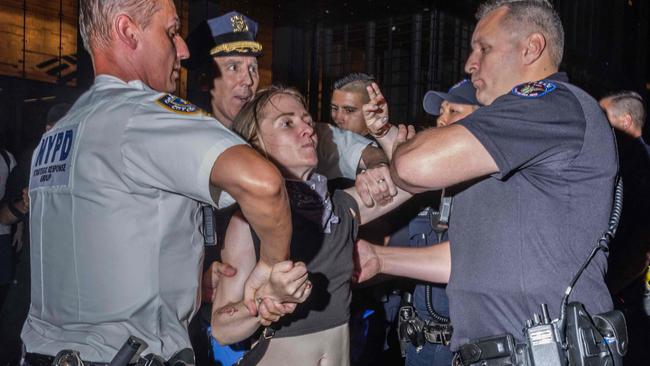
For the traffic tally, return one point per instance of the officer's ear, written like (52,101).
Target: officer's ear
(126,31)
(534,47)
(626,121)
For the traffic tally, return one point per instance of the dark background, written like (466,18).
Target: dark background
(410,46)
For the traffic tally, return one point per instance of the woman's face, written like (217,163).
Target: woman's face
(287,133)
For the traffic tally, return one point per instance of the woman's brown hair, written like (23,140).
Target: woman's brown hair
(247,121)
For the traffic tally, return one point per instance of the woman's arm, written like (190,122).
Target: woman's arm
(367,214)
(231,321)
(287,285)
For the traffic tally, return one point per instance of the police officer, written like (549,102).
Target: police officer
(114,192)
(539,163)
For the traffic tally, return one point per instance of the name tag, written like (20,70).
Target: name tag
(51,163)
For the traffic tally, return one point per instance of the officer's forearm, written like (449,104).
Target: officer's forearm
(431,264)
(372,156)
(256,184)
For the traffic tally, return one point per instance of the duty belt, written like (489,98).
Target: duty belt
(438,333)
(492,351)
(185,357)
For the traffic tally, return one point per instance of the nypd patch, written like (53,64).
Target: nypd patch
(178,105)
(534,89)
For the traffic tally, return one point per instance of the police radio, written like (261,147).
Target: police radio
(576,338)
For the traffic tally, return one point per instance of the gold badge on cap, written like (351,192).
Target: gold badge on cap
(238,24)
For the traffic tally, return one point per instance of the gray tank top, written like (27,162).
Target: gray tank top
(330,264)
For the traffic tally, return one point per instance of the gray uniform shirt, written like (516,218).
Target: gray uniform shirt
(519,235)
(339,151)
(116,249)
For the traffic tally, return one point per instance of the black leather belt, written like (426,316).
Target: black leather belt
(184,357)
(35,359)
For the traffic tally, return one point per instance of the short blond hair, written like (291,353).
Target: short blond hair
(96,18)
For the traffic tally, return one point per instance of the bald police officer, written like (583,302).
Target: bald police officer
(115,190)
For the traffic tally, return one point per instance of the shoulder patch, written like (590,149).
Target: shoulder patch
(534,89)
(177,105)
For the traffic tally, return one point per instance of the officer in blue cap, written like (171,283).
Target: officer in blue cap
(225,50)
(452,106)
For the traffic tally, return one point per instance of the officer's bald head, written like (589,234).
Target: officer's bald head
(525,17)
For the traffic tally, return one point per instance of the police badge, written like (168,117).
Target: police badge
(177,105)
(534,89)
(238,23)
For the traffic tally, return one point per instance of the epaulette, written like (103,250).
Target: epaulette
(534,89)
(178,105)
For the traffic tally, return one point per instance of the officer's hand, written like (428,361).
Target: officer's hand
(270,311)
(288,283)
(366,262)
(404,133)
(211,279)
(375,185)
(260,275)
(375,112)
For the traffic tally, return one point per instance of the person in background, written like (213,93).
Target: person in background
(627,275)
(348,97)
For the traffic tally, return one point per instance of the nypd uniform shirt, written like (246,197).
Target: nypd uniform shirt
(116,249)
(519,236)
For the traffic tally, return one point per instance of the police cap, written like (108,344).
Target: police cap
(232,34)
